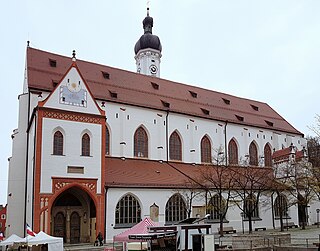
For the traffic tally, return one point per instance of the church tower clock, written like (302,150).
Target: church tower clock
(148,50)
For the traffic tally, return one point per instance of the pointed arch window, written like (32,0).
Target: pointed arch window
(140,143)
(251,207)
(205,150)
(281,206)
(58,143)
(175,147)
(176,209)
(253,154)
(107,141)
(216,208)
(85,145)
(267,156)
(233,152)
(128,211)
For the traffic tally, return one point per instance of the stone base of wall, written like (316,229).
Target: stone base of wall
(253,241)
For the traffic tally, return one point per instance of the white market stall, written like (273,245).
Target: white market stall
(10,241)
(54,243)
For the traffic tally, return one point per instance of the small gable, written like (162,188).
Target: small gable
(72,94)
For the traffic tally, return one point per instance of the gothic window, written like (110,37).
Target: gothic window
(215,207)
(281,206)
(107,141)
(205,150)
(175,147)
(140,143)
(58,143)
(233,152)
(251,207)
(128,211)
(253,154)
(176,209)
(267,156)
(85,145)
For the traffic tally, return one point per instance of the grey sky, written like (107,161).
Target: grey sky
(266,50)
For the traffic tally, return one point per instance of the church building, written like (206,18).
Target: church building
(98,148)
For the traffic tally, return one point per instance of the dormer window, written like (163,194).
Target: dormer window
(193,94)
(240,118)
(205,111)
(105,75)
(254,107)
(54,83)
(52,62)
(269,123)
(113,94)
(155,86)
(226,101)
(165,104)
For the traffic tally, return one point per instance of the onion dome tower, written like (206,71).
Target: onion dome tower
(148,50)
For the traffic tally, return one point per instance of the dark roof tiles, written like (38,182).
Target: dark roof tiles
(135,89)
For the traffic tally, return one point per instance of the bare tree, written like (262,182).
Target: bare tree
(249,184)
(316,128)
(298,176)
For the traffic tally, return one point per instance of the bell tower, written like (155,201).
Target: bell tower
(148,50)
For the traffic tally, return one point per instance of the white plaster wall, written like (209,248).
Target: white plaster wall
(17,173)
(147,197)
(55,165)
(123,120)
(74,77)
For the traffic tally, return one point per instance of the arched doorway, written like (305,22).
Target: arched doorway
(73,216)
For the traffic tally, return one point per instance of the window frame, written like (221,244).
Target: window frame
(175,147)
(205,150)
(58,143)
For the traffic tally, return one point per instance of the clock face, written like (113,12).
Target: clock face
(153,69)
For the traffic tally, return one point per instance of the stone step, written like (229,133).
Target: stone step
(89,246)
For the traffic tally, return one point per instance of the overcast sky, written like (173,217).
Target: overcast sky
(266,50)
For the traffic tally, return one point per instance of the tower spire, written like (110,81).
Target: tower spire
(148,49)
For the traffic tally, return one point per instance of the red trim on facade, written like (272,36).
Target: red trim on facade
(37,179)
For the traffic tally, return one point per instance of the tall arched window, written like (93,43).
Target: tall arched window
(128,211)
(216,207)
(205,150)
(281,206)
(175,147)
(140,143)
(107,141)
(251,207)
(267,156)
(233,152)
(176,209)
(58,143)
(85,145)
(253,154)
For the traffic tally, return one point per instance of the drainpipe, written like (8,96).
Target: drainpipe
(225,143)
(167,139)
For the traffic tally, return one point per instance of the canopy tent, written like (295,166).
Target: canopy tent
(140,228)
(10,241)
(54,243)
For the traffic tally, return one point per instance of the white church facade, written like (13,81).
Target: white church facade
(98,148)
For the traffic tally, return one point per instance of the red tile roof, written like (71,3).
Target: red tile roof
(138,89)
(144,173)
(283,154)
(153,174)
